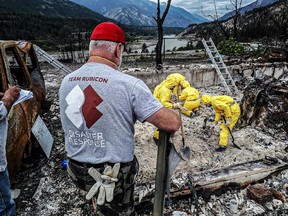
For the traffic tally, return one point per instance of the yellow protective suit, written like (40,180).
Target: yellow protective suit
(175,77)
(168,91)
(226,106)
(185,84)
(163,93)
(156,92)
(191,97)
(180,80)
(156,89)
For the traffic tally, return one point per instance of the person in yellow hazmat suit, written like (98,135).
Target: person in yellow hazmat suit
(156,90)
(169,88)
(180,80)
(164,93)
(192,102)
(228,108)
(189,95)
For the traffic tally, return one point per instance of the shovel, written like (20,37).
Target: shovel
(174,158)
(233,141)
(185,151)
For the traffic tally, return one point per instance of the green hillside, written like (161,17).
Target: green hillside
(55,23)
(48,32)
(51,8)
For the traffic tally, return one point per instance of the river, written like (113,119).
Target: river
(169,43)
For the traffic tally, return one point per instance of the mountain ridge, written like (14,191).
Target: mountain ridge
(141,12)
(264,23)
(50,8)
(249,7)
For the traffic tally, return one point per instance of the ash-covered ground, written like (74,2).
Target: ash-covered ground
(45,188)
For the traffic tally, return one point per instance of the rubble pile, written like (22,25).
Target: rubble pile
(45,188)
(265,104)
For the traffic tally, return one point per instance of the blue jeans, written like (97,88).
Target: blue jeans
(7,204)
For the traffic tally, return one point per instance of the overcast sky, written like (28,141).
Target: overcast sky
(194,6)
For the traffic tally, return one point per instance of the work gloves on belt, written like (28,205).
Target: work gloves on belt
(105,183)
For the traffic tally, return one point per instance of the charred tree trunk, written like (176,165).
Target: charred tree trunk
(159,48)
(160,20)
(237,6)
(225,32)
(235,30)
(228,31)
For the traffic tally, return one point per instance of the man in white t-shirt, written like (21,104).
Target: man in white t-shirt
(99,106)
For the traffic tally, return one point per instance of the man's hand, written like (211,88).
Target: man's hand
(10,96)
(165,119)
(215,122)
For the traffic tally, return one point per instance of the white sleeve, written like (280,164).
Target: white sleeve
(144,104)
(3,110)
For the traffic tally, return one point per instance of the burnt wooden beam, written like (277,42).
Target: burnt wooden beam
(237,176)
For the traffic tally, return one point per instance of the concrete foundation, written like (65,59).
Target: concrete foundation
(205,75)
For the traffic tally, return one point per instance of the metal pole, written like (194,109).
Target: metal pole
(164,147)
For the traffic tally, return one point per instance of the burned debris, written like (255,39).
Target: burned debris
(220,182)
(19,66)
(206,186)
(264,117)
(265,104)
(275,54)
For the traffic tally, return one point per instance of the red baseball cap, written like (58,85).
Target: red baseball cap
(108,31)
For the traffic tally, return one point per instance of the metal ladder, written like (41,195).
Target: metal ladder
(221,68)
(54,62)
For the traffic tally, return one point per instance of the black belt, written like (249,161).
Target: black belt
(100,165)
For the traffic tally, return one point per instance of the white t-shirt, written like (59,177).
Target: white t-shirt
(3,136)
(99,106)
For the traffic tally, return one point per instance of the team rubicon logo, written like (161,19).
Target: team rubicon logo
(82,106)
